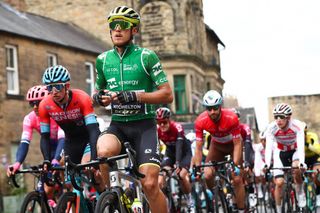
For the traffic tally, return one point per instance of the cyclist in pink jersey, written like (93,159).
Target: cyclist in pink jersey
(223,125)
(285,143)
(178,148)
(32,122)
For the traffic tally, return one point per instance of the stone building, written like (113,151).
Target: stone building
(304,108)
(175,29)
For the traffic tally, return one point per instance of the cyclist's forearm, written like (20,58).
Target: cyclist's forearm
(237,151)
(198,153)
(59,149)
(94,133)
(22,151)
(179,146)
(45,145)
(160,96)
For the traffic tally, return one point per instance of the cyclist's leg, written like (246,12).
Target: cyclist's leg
(108,145)
(216,153)
(162,178)
(298,180)
(278,179)
(143,134)
(151,188)
(239,188)
(184,174)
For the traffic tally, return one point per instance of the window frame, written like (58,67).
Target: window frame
(181,97)
(90,80)
(54,61)
(14,70)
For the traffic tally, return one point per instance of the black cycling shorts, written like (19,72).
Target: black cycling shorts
(74,147)
(142,135)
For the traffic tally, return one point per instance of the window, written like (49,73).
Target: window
(12,70)
(52,59)
(180,94)
(90,77)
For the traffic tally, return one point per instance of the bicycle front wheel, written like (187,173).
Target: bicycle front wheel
(220,203)
(31,203)
(67,203)
(108,202)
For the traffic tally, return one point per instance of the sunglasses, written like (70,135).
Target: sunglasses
(209,108)
(57,87)
(34,103)
(123,25)
(161,122)
(279,116)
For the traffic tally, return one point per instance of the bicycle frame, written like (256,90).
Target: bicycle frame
(41,175)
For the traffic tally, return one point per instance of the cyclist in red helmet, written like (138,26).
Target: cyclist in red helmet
(32,122)
(178,148)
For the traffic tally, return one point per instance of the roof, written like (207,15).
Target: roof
(46,29)
(214,35)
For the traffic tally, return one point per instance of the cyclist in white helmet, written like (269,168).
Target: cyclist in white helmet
(287,135)
(223,125)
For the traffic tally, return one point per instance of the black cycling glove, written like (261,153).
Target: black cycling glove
(97,97)
(125,97)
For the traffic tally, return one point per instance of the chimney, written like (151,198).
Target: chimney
(19,5)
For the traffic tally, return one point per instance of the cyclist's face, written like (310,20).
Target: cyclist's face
(282,121)
(121,37)
(164,125)
(214,113)
(35,106)
(59,95)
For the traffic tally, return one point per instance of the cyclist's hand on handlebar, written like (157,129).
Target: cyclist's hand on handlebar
(303,167)
(196,172)
(12,169)
(178,168)
(55,163)
(46,165)
(246,166)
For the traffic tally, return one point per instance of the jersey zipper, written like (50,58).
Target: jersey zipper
(121,70)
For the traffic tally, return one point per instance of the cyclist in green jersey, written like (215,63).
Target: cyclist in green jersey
(131,79)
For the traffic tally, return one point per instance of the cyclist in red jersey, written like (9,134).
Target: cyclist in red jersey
(178,148)
(223,125)
(73,112)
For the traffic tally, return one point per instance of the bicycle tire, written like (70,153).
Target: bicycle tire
(200,198)
(220,203)
(67,203)
(108,202)
(31,203)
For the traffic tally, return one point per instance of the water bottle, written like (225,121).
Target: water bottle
(137,206)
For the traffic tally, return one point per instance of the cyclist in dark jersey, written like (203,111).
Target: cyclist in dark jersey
(248,151)
(73,112)
(178,148)
(134,80)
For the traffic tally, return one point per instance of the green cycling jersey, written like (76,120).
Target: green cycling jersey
(137,69)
